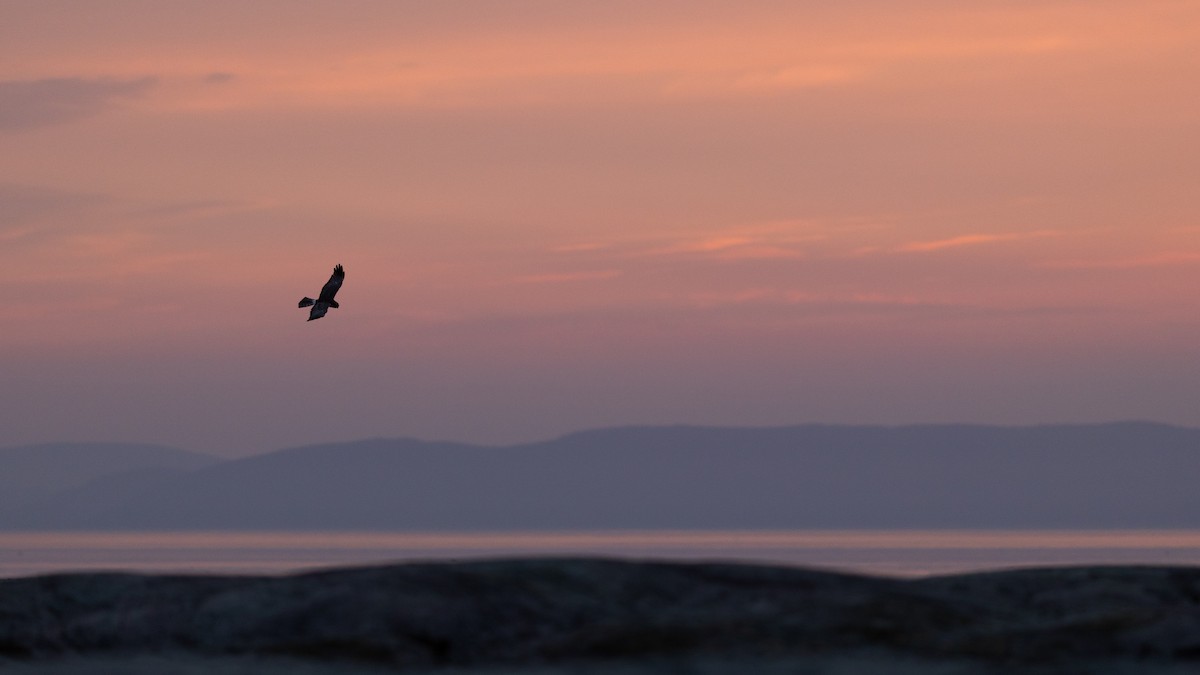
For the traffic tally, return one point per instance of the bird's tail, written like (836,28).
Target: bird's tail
(307,302)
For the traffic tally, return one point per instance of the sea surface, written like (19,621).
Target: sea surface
(907,553)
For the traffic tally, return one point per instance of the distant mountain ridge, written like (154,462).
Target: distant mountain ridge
(31,473)
(1126,474)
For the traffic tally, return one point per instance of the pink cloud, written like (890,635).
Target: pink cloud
(971,240)
(1163,259)
(567,277)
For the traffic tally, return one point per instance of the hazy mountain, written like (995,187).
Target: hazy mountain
(813,476)
(33,472)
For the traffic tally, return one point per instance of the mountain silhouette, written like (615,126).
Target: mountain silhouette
(31,473)
(1129,474)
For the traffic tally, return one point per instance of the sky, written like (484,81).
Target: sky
(556,216)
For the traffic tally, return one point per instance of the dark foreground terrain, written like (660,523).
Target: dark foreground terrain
(548,616)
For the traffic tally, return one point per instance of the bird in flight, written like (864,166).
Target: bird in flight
(325,300)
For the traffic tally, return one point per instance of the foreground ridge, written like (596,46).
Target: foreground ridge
(533,612)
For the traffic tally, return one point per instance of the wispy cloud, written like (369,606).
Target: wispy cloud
(567,277)
(761,252)
(759,80)
(710,244)
(219,77)
(200,208)
(972,240)
(767,240)
(809,303)
(27,206)
(1163,259)
(29,104)
(582,247)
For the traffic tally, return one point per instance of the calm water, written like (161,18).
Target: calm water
(900,553)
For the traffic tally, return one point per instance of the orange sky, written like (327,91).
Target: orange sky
(563,215)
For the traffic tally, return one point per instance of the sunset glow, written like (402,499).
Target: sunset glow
(555,216)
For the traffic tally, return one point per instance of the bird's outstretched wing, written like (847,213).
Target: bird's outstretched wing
(331,287)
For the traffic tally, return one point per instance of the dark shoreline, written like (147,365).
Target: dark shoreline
(547,614)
